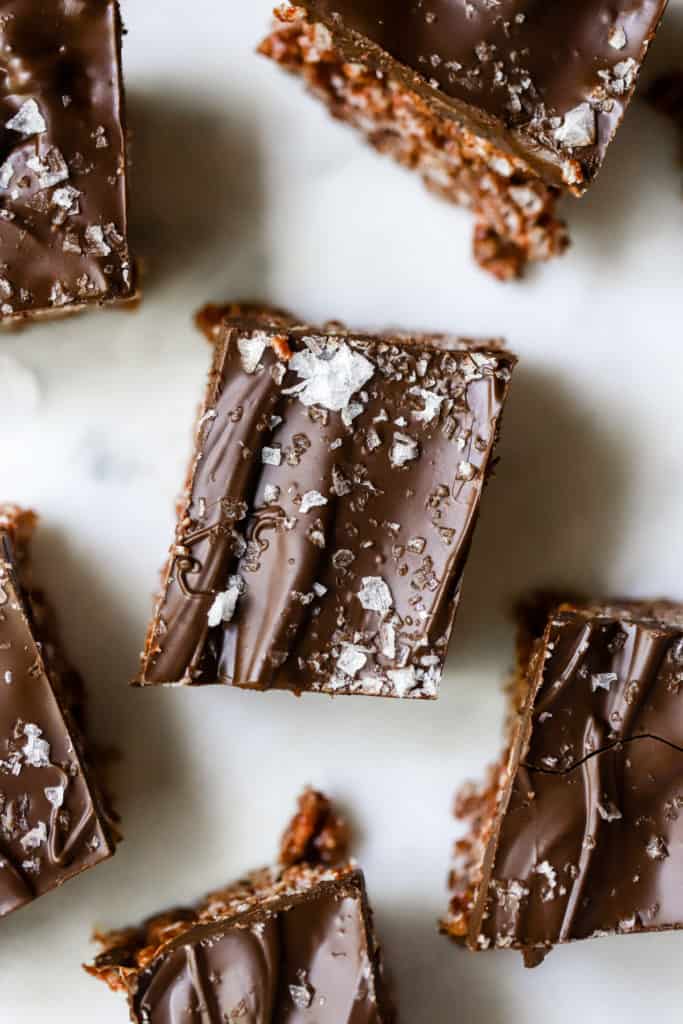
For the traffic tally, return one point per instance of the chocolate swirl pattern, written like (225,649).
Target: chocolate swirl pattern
(582,834)
(295,565)
(52,819)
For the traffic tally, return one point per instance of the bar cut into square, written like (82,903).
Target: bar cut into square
(579,831)
(54,821)
(329,510)
(500,107)
(293,944)
(63,197)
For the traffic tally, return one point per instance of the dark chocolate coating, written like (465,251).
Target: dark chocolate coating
(591,841)
(63,210)
(304,620)
(591,851)
(612,674)
(513,69)
(52,825)
(302,958)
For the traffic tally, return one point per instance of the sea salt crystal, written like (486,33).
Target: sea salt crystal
(35,750)
(656,848)
(312,499)
(547,871)
(617,38)
(302,994)
(609,811)
(375,595)
(271,456)
(59,295)
(341,485)
(224,605)
(95,243)
(351,660)
(35,837)
(603,681)
(251,350)
(404,449)
(403,680)
(578,128)
(6,173)
(387,637)
(65,197)
(28,120)
(54,795)
(50,170)
(329,377)
(350,413)
(432,404)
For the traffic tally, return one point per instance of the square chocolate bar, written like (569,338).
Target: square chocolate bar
(579,832)
(499,106)
(63,206)
(53,818)
(294,944)
(329,510)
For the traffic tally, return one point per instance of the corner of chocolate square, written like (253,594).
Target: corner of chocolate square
(499,106)
(579,832)
(291,943)
(54,821)
(63,195)
(330,505)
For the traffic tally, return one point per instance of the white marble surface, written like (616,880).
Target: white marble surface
(243,187)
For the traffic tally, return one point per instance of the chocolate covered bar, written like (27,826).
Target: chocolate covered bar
(63,208)
(579,831)
(500,107)
(292,944)
(329,509)
(54,821)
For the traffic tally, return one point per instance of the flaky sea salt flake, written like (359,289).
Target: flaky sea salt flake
(617,38)
(224,605)
(94,241)
(251,350)
(578,128)
(35,837)
(432,404)
(331,376)
(603,681)
(351,660)
(312,499)
(403,449)
(54,795)
(403,680)
(28,120)
(375,595)
(271,456)
(35,750)
(302,994)
(656,848)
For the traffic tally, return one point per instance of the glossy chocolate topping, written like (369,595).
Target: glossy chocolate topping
(334,490)
(51,823)
(591,841)
(555,77)
(287,945)
(611,674)
(298,960)
(63,217)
